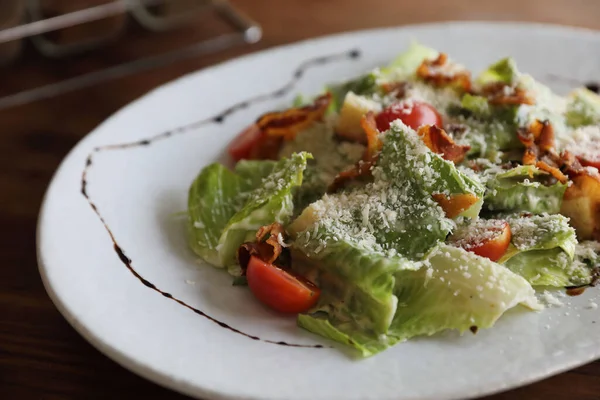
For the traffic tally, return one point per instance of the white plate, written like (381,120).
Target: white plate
(140,186)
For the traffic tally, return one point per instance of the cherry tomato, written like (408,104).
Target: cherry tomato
(492,243)
(590,161)
(241,147)
(591,154)
(279,289)
(594,162)
(412,113)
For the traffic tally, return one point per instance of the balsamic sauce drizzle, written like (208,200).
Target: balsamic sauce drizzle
(219,118)
(579,289)
(593,87)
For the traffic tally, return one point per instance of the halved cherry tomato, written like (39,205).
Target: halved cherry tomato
(241,147)
(493,242)
(279,289)
(591,156)
(590,161)
(412,113)
(594,159)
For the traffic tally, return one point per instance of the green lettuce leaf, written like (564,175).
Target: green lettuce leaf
(396,212)
(583,108)
(253,172)
(226,208)
(548,106)
(543,251)
(356,285)
(367,345)
(490,129)
(551,267)
(476,105)
(407,63)
(588,252)
(488,138)
(404,158)
(542,232)
(450,289)
(455,290)
(504,71)
(363,85)
(523,189)
(330,157)
(364,247)
(214,197)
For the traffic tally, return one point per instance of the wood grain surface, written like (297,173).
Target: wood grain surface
(41,356)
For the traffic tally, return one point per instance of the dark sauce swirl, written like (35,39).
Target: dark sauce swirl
(218,119)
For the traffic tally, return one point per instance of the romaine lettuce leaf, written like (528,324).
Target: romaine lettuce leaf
(478,106)
(488,138)
(450,289)
(404,69)
(214,197)
(253,172)
(588,252)
(330,157)
(548,106)
(504,71)
(404,157)
(367,345)
(522,189)
(543,250)
(551,267)
(356,285)
(226,208)
(364,247)
(583,108)
(396,212)
(490,129)
(405,65)
(542,232)
(455,289)
(363,85)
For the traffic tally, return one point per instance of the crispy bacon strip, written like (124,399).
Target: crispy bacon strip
(571,165)
(431,71)
(363,167)
(374,144)
(538,140)
(500,93)
(529,157)
(277,126)
(554,171)
(438,141)
(267,246)
(398,88)
(288,123)
(544,135)
(455,204)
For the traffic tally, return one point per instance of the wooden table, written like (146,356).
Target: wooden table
(41,356)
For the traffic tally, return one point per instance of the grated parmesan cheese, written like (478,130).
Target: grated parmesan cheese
(478,231)
(550,300)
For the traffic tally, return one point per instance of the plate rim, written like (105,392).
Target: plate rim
(195,390)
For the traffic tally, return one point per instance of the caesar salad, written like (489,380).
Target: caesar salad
(410,200)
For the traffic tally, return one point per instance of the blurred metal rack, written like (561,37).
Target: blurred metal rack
(22,20)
